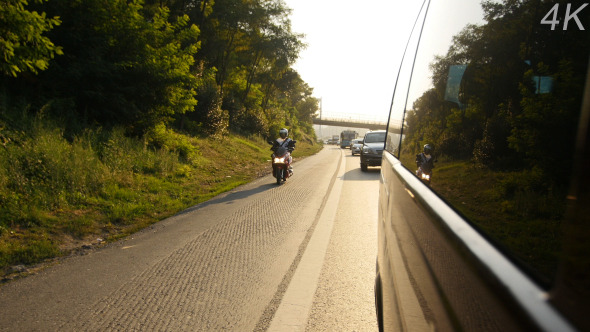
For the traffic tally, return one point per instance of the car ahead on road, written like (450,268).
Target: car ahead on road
(372,149)
(499,241)
(356,146)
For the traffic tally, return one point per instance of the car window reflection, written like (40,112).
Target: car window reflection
(499,104)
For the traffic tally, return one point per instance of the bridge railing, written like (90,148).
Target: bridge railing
(357,118)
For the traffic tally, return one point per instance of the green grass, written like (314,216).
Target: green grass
(509,207)
(57,195)
(518,210)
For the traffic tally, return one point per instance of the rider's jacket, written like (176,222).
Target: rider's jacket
(426,162)
(287,143)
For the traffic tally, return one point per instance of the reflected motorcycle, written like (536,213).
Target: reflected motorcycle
(281,160)
(424,175)
(425,166)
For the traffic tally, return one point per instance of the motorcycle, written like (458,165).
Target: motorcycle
(425,166)
(281,161)
(424,175)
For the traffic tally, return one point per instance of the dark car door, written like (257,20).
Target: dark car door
(498,241)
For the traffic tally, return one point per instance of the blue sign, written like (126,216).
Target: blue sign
(454,83)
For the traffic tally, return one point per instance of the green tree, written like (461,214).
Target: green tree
(251,45)
(545,129)
(120,67)
(23,45)
(210,65)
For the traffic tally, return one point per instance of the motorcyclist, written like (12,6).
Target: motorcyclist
(284,141)
(425,160)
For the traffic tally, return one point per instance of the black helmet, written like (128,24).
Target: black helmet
(427,149)
(283,133)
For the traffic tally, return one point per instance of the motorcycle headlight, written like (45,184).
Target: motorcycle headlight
(425,176)
(280,160)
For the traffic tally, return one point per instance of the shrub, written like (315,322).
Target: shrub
(529,194)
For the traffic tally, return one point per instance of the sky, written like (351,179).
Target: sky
(354,51)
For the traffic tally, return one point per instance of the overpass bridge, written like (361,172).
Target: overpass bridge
(356,121)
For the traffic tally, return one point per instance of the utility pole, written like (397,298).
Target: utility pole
(321,137)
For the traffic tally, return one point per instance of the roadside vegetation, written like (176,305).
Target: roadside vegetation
(509,207)
(116,114)
(58,195)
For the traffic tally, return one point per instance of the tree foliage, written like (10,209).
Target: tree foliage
(23,46)
(502,121)
(207,66)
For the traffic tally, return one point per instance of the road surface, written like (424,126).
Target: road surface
(296,257)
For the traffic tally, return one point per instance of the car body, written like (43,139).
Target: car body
(356,146)
(499,240)
(372,149)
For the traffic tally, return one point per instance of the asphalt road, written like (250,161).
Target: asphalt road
(300,256)
(344,299)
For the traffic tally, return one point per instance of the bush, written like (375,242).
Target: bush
(162,138)
(528,194)
(103,183)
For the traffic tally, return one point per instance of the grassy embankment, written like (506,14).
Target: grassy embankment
(511,207)
(57,195)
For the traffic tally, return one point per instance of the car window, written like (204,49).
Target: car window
(497,94)
(396,123)
(375,137)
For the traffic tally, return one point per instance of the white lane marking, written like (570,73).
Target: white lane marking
(293,312)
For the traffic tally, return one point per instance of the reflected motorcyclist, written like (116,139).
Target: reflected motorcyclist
(425,160)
